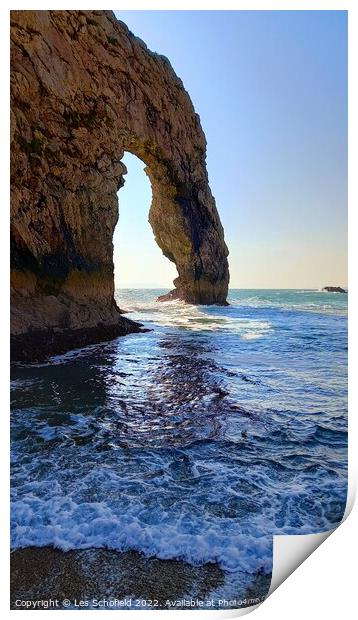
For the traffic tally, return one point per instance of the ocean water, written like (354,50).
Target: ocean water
(198,440)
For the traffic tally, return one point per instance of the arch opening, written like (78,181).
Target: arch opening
(69,131)
(138,261)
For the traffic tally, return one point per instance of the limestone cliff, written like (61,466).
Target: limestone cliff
(84,90)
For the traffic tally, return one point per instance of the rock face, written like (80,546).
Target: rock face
(84,90)
(334,289)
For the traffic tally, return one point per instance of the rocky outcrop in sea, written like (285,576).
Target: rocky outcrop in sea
(334,289)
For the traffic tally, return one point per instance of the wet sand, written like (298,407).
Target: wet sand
(46,573)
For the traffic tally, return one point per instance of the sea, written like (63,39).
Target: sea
(198,440)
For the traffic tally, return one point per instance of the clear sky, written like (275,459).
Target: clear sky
(271,91)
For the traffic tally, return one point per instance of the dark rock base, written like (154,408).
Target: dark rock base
(177,294)
(38,345)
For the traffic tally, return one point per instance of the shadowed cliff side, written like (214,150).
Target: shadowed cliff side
(84,90)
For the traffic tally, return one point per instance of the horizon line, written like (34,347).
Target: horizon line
(241,288)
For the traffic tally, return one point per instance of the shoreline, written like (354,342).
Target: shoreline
(80,577)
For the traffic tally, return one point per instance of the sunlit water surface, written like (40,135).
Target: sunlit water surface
(198,440)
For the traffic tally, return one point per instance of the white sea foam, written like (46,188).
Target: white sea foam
(178,314)
(62,522)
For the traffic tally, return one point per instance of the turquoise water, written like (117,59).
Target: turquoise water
(198,440)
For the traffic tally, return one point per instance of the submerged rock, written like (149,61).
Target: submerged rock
(85,90)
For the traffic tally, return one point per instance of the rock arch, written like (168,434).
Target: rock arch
(84,90)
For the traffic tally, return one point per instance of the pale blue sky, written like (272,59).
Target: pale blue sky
(271,91)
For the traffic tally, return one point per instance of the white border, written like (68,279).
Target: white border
(326,603)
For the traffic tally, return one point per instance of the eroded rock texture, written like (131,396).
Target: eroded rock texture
(83,91)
